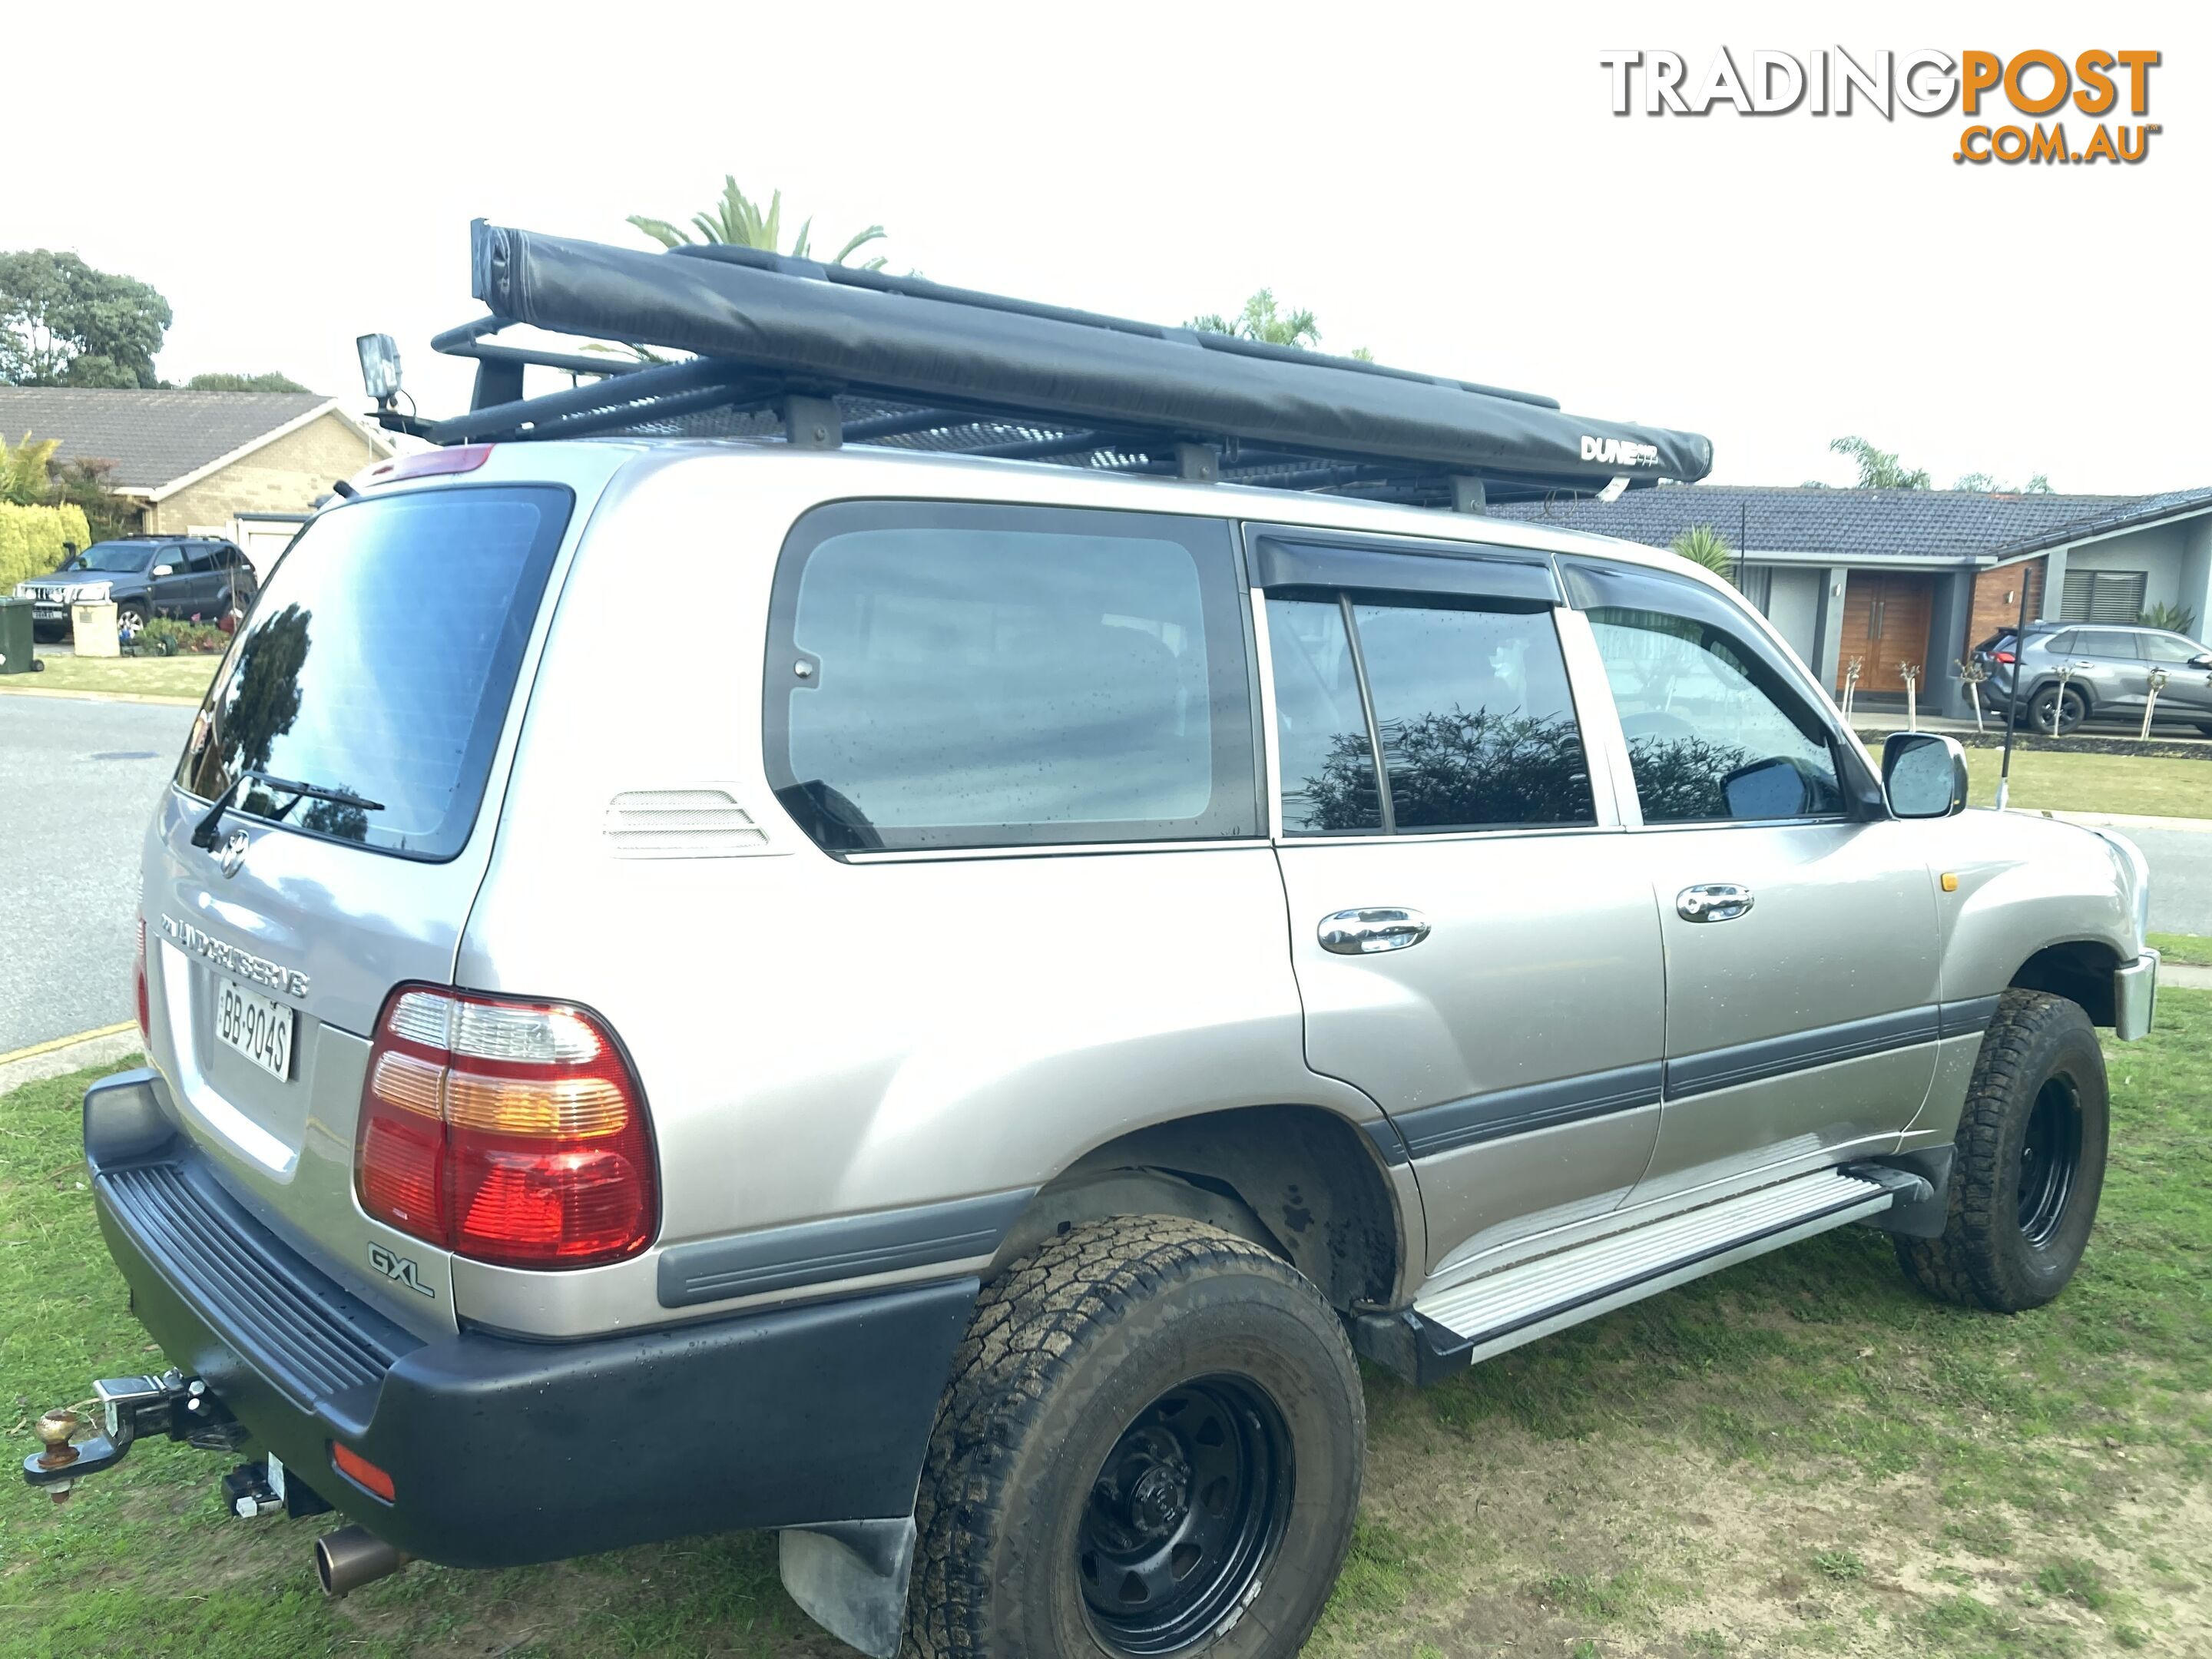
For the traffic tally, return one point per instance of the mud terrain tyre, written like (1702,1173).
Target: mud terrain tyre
(2029,1161)
(1152,1444)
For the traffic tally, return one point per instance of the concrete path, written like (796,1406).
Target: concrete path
(78,781)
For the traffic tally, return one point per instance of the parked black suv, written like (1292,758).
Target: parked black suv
(2088,670)
(146,576)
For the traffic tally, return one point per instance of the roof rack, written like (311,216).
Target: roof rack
(824,355)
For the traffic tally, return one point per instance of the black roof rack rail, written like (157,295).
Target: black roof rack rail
(768,346)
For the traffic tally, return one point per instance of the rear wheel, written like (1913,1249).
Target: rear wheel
(2030,1163)
(1150,1445)
(2057,711)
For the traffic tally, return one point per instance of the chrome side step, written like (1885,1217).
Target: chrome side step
(1488,1316)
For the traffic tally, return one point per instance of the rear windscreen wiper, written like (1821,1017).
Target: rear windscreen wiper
(205,834)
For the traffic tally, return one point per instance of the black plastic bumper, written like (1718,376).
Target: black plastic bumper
(502,1451)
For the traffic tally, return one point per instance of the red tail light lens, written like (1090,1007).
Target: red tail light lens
(507,1131)
(2005,656)
(358,1469)
(145,1003)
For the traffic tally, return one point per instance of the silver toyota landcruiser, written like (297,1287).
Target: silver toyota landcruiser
(1027,971)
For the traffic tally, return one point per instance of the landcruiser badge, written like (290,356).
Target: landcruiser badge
(233,852)
(398,1269)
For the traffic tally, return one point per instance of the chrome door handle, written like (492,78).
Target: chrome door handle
(1713,901)
(1363,933)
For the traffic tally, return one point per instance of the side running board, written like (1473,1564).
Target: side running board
(1458,1326)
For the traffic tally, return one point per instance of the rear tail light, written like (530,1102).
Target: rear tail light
(145,1005)
(508,1131)
(2005,656)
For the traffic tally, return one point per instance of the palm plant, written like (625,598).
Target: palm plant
(24,478)
(2169,618)
(1702,545)
(737,221)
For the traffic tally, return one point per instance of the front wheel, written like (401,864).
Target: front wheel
(130,620)
(2030,1163)
(2057,711)
(1150,1445)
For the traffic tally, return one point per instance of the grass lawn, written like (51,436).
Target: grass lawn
(2182,947)
(147,676)
(2057,782)
(1798,1455)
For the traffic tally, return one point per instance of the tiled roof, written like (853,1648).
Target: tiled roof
(1858,524)
(152,437)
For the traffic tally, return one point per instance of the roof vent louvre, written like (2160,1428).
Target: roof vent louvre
(701,821)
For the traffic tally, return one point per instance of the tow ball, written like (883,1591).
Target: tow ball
(132,1409)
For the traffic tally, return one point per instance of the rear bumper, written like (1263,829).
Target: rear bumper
(2135,997)
(500,1451)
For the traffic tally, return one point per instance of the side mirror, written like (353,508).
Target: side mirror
(2202,660)
(165,571)
(1765,789)
(1924,775)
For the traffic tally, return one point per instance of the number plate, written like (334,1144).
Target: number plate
(258,1027)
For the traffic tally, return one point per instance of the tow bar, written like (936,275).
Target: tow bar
(132,1409)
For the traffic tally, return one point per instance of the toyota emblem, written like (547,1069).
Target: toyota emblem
(233,852)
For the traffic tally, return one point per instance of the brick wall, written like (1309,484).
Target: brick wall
(284,477)
(1996,599)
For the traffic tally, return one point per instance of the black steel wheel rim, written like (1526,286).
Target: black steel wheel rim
(2050,1158)
(1184,1515)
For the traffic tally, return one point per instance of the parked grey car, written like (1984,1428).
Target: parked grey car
(145,576)
(2074,672)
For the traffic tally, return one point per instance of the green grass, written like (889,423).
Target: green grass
(184,677)
(2045,780)
(1798,1455)
(2182,947)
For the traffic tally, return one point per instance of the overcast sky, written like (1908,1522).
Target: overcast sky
(1446,187)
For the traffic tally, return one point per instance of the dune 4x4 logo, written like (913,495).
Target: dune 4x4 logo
(1985,87)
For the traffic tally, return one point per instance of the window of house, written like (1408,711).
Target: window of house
(952,674)
(2103,596)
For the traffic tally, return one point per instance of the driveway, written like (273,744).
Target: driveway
(78,779)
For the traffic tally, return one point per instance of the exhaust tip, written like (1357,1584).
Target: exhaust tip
(351,1556)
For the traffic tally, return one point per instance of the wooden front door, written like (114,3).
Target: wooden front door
(1886,617)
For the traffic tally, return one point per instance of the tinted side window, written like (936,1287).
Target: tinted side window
(2169,648)
(1327,765)
(2107,642)
(1715,732)
(946,676)
(1476,726)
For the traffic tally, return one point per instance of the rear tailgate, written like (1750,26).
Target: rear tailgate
(381,666)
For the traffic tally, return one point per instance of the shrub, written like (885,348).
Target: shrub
(35,539)
(160,636)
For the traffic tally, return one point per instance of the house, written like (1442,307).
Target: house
(249,466)
(1889,578)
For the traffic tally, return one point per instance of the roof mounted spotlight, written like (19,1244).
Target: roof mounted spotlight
(380,367)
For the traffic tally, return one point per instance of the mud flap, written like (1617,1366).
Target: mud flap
(850,1578)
